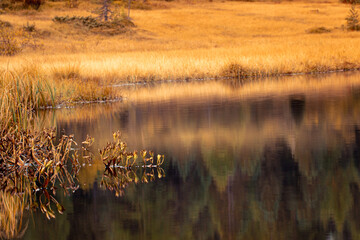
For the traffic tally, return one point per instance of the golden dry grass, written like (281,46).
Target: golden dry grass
(29,88)
(202,40)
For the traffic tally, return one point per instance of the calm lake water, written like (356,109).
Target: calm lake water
(277,166)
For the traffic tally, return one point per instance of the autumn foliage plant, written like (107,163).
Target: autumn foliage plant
(33,166)
(32,162)
(14,40)
(9,43)
(123,167)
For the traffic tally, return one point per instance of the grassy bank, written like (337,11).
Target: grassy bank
(183,40)
(29,88)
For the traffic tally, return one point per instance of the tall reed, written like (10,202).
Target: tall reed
(21,93)
(28,88)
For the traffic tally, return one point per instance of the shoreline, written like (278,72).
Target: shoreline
(219,78)
(280,85)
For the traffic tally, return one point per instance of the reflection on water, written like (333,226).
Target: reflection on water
(277,167)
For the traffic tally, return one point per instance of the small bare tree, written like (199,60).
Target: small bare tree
(104,11)
(353,19)
(129,7)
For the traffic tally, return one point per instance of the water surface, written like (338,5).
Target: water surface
(264,166)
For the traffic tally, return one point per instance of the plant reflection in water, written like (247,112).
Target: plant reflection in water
(123,168)
(33,168)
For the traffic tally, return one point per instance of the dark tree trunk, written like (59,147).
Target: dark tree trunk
(129,6)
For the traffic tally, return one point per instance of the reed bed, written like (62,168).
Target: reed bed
(28,88)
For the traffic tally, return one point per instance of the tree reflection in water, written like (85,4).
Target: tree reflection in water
(265,168)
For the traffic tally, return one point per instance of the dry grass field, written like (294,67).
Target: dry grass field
(184,40)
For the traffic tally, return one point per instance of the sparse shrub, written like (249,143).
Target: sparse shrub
(72,3)
(318,30)
(352,21)
(235,70)
(13,41)
(140,5)
(89,22)
(5,24)
(33,3)
(115,26)
(5,4)
(136,4)
(10,4)
(9,45)
(29,27)
(350,1)
(20,4)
